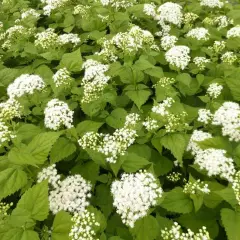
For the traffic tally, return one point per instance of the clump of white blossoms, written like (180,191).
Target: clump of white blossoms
(46,39)
(84,225)
(214,90)
(216,163)
(49,173)
(197,136)
(83,10)
(211,3)
(69,38)
(6,135)
(174,176)
(175,122)
(70,195)
(222,21)
(228,117)
(25,84)
(201,62)
(94,80)
(30,13)
(189,18)
(134,194)
(161,108)
(205,116)
(149,9)
(165,82)
(57,115)
(115,145)
(117,4)
(236,186)
(168,41)
(4,207)
(10,109)
(234,32)
(178,56)
(199,33)
(62,77)
(175,233)
(150,124)
(197,187)
(51,5)
(218,46)
(229,57)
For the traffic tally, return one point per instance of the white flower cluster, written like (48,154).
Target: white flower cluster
(161,108)
(149,9)
(150,124)
(175,233)
(69,38)
(117,4)
(212,3)
(218,46)
(168,42)
(94,80)
(234,32)
(222,21)
(62,77)
(189,18)
(71,195)
(174,176)
(229,57)
(58,114)
(5,134)
(228,117)
(197,187)
(165,82)
(199,33)
(84,224)
(176,121)
(51,5)
(25,84)
(4,207)
(112,146)
(30,13)
(214,90)
(236,186)
(83,10)
(205,116)
(201,62)
(134,194)
(10,109)
(46,39)
(178,56)
(49,173)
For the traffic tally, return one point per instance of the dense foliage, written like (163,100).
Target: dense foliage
(119,120)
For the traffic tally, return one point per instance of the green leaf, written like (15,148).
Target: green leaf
(72,61)
(88,126)
(61,226)
(11,180)
(162,165)
(20,234)
(228,195)
(146,228)
(231,223)
(117,118)
(177,201)
(139,96)
(234,86)
(142,64)
(35,201)
(62,148)
(155,72)
(28,131)
(176,143)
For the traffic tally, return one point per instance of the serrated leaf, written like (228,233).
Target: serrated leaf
(27,131)
(62,148)
(35,201)
(231,223)
(177,201)
(228,195)
(61,226)
(20,234)
(139,97)
(88,126)
(11,180)
(155,72)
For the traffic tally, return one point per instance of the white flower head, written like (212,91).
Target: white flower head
(62,77)
(201,62)
(10,109)
(234,32)
(168,42)
(212,3)
(199,33)
(69,38)
(229,57)
(214,90)
(6,135)
(204,116)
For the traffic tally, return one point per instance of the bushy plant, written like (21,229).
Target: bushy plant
(119,120)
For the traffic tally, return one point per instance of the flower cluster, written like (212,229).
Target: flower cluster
(71,195)
(6,135)
(62,78)
(236,186)
(197,187)
(52,5)
(46,39)
(201,62)
(174,176)
(84,224)
(10,109)
(49,173)
(228,117)
(218,46)
(4,207)
(112,146)
(150,124)
(199,33)
(58,114)
(178,56)
(134,194)
(229,58)
(222,21)
(168,42)
(165,82)
(175,233)
(25,84)
(212,3)
(214,90)
(118,4)
(161,108)
(234,32)
(69,38)
(94,80)
(30,13)
(83,10)
(189,18)
(205,116)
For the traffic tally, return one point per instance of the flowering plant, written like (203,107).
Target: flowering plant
(119,120)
